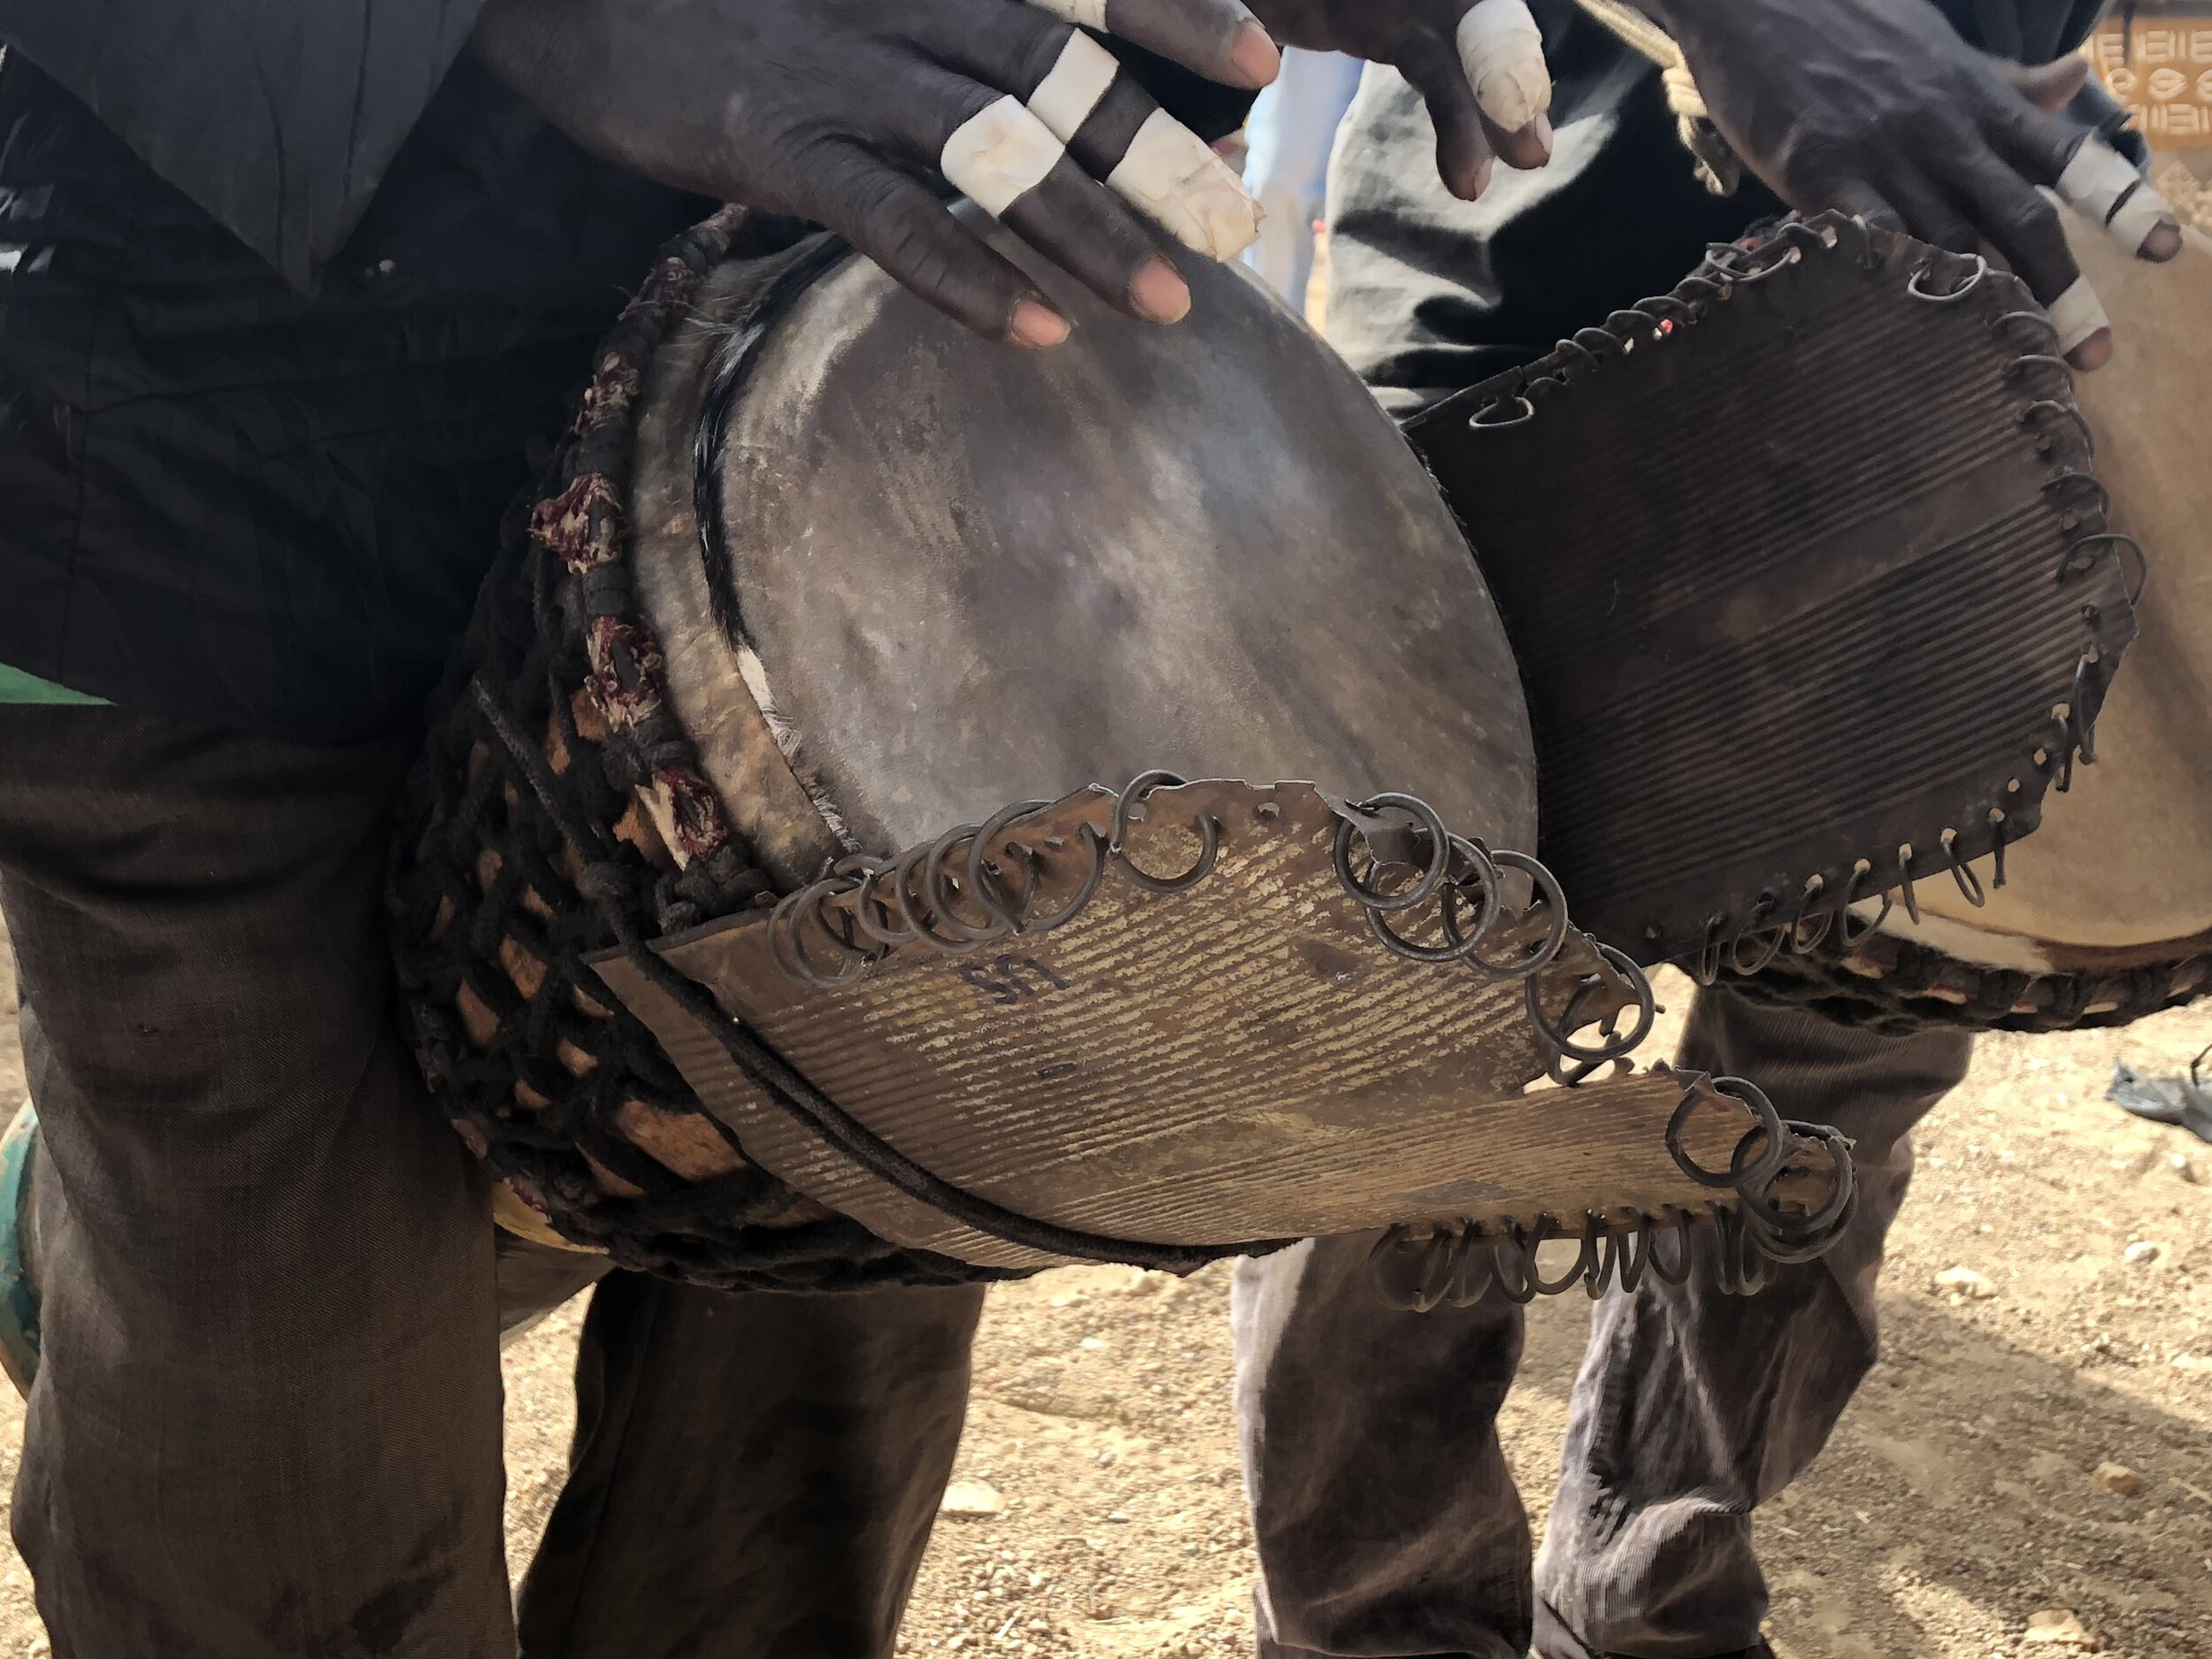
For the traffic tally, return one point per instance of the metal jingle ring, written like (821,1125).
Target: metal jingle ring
(2041,319)
(1904,882)
(1616,1046)
(1753,1100)
(1139,788)
(1617,1265)
(1705,970)
(1529,1242)
(1968,884)
(983,884)
(1799,944)
(1684,1258)
(902,895)
(2118,539)
(1553,898)
(1084,894)
(1595,342)
(1133,796)
(788,948)
(871,909)
(1457,947)
(2017,370)
(1474,1249)
(1476,423)
(1605,1254)
(1914,288)
(1695,1094)
(2043,406)
(1510,1247)
(1821,1222)
(1766,902)
(1393,1243)
(1844,935)
(1786,1248)
(1755,275)
(1429,821)
(934,882)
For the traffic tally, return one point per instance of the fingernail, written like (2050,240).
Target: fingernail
(1255,56)
(1541,128)
(1482,174)
(2162,244)
(1036,325)
(1159,292)
(2092,353)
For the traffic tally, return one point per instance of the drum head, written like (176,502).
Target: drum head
(965,574)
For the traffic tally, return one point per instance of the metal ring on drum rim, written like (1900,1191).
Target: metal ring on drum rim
(1615,1047)
(1133,797)
(1553,896)
(1427,821)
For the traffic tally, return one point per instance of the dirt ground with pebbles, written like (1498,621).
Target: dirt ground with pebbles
(2028,1473)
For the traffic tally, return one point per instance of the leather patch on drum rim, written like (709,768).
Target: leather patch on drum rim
(1807,570)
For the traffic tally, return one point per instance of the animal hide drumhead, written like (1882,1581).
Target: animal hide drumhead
(1806,569)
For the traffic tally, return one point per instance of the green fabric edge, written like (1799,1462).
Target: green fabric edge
(17,687)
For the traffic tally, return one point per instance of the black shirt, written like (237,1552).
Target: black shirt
(265,500)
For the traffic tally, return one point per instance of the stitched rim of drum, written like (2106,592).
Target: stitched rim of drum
(1777,929)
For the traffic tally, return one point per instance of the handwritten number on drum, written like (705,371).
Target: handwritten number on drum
(1008,981)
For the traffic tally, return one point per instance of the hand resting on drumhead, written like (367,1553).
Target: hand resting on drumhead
(1878,108)
(839,111)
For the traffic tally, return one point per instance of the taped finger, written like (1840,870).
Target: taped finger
(2078,316)
(1173,178)
(1502,52)
(2105,185)
(998,154)
(1219,39)
(1144,155)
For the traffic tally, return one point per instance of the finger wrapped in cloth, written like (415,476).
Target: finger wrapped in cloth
(751,932)
(2106,916)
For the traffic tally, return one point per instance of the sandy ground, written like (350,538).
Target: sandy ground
(1961,1499)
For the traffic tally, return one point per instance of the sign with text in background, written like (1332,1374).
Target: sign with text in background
(2160,69)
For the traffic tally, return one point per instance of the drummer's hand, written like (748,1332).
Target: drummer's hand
(1878,108)
(839,111)
(1478,64)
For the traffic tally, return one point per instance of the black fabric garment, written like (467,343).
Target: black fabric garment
(277,117)
(235,502)
(238,500)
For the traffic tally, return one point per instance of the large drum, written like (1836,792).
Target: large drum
(751,933)
(2106,914)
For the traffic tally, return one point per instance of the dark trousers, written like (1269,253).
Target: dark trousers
(1386,1522)
(267,1416)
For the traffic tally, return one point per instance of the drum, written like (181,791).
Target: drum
(751,934)
(2106,914)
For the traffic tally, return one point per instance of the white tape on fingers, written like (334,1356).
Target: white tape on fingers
(1502,52)
(1064,99)
(1088,14)
(2105,185)
(1173,178)
(998,153)
(2076,314)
